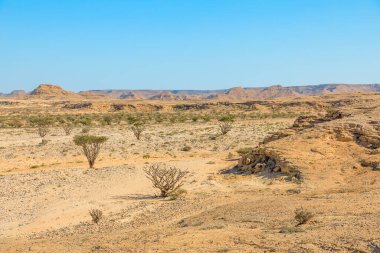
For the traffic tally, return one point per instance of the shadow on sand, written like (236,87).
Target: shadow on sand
(264,174)
(135,197)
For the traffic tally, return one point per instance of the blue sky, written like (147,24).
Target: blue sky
(187,44)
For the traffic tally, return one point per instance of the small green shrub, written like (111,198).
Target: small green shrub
(245,150)
(186,148)
(206,118)
(293,191)
(107,119)
(226,118)
(291,230)
(195,118)
(213,137)
(331,110)
(177,194)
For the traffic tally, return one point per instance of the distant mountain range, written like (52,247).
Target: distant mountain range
(49,91)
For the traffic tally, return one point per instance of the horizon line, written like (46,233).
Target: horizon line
(221,89)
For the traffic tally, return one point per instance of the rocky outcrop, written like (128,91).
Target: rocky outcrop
(367,136)
(305,121)
(263,160)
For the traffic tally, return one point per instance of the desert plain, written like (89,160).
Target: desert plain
(319,154)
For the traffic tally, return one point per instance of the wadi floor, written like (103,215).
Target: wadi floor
(46,192)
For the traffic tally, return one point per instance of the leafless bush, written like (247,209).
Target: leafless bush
(302,216)
(67,128)
(42,131)
(165,178)
(225,127)
(138,129)
(96,215)
(90,145)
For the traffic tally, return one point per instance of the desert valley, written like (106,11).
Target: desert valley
(277,169)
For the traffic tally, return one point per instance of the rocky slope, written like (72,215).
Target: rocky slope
(323,150)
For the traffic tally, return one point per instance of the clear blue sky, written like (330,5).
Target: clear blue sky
(187,44)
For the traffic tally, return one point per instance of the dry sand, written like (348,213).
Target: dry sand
(47,190)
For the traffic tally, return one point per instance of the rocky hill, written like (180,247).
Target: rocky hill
(167,95)
(15,93)
(276,91)
(132,96)
(49,91)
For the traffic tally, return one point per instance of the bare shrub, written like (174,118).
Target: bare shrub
(225,123)
(96,215)
(165,178)
(225,127)
(67,128)
(42,131)
(302,216)
(90,146)
(137,129)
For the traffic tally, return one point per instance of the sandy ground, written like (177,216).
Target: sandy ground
(47,191)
